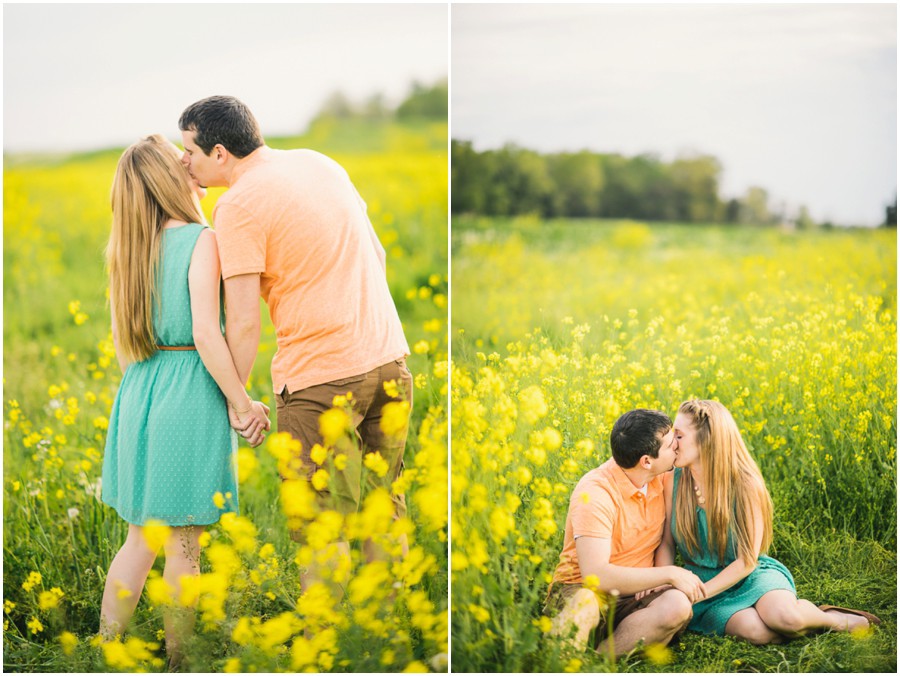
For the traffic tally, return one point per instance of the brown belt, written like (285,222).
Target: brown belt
(178,347)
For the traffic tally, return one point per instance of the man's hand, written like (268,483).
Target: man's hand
(688,583)
(252,424)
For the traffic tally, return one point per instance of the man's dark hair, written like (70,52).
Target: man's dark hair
(225,120)
(636,434)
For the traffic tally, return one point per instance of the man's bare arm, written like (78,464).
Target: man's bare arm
(242,328)
(593,559)
(242,323)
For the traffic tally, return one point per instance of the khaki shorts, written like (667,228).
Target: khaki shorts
(298,414)
(561,594)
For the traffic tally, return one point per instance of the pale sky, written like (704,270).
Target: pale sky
(799,99)
(86,76)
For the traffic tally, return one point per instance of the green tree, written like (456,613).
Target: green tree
(696,187)
(521,183)
(425,102)
(755,207)
(804,221)
(375,108)
(470,176)
(577,184)
(337,106)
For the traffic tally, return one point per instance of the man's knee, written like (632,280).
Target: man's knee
(581,613)
(675,609)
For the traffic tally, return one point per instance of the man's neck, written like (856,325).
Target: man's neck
(235,168)
(638,476)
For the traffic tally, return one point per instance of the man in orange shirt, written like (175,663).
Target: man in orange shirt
(615,523)
(293,229)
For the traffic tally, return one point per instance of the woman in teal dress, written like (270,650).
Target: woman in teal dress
(169,447)
(719,516)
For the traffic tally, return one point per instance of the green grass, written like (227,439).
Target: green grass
(56,223)
(795,332)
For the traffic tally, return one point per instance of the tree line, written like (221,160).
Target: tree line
(513,180)
(422,102)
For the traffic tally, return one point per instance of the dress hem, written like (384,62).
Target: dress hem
(172,523)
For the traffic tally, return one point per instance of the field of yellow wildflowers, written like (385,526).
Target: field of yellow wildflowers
(561,326)
(60,378)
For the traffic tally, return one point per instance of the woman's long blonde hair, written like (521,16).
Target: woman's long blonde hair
(150,187)
(736,491)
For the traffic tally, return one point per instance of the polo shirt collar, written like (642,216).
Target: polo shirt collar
(626,488)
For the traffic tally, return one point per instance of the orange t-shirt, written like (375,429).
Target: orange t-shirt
(605,504)
(295,217)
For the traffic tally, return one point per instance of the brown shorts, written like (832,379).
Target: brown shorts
(561,593)
(298,414)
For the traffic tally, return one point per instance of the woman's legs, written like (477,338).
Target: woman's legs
(748,625)
(182,558)
(783,612)
(124,582)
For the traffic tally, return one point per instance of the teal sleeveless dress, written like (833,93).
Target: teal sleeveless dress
(169,445)
(711,615)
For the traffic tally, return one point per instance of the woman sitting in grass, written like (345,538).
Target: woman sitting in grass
(719,515)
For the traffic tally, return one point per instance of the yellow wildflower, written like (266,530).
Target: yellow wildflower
(159,591)
(573,666)
(658,654)
(376,463)
(320,480)
(50,599)
(34,579)
(68,641)
(391,389)
(333,425)
(318,454)
(394,418)
(156,534)
(247,464)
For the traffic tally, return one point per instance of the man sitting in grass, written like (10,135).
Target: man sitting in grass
(614,525)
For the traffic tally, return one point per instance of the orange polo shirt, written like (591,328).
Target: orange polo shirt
(605,504)
(295,217)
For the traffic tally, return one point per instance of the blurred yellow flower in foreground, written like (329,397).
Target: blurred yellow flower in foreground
(376,463)
(658,654)
(68,641)
(50,599)
(394,418)
(156,534)
(333,425)
(159,592)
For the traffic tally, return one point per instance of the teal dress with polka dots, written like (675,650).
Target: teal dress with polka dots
(711,615)
(169,446)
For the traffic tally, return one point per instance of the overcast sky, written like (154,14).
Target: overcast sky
(88,76)
(799,99)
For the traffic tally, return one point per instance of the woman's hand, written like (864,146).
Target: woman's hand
(252,423)
(647,592)
(688,583)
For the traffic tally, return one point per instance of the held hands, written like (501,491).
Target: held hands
(647,592)
(687,583)
(252,422)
